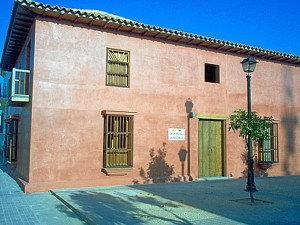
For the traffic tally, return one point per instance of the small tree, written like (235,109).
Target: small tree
(251,127)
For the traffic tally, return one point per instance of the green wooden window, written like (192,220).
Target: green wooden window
(118,141)
(117,68)
(268,149)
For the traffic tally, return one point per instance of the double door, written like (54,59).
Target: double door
(211,148)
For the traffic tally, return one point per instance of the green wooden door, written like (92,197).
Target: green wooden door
(210,148)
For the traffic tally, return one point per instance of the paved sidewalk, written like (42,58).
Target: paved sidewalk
(202,202)
(199,202)
(18,208)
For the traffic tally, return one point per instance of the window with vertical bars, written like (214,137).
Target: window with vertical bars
(118,141)
(11,140)
(117,72)
(268,149)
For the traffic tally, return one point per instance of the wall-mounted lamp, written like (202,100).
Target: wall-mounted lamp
(192,115)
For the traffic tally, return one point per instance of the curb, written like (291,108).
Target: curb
(76,211)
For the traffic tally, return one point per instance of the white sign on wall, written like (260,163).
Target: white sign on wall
(175,134)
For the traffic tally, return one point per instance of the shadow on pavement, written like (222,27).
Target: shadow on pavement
(204,202)
(117,207)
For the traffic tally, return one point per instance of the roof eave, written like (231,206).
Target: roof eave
(19,26)
(31,9)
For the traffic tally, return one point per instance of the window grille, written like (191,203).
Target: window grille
(268,149)
(11,139)
(118,141)
(117,68)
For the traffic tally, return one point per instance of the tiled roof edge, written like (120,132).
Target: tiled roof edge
(120,20)
(123,21)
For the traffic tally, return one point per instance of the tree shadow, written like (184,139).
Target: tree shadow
(118,206)
(258,171)
(158,170)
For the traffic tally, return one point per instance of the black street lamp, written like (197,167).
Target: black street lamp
(249,67)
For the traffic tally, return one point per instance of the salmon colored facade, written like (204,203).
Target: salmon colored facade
(61,129)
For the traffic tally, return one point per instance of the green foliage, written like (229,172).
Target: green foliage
(251,125)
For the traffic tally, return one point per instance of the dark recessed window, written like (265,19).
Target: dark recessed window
(212,73)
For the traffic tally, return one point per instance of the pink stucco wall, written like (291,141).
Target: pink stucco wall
(69,93)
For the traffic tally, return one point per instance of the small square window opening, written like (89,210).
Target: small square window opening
(212,73)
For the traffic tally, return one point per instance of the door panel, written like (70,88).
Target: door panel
(210,148)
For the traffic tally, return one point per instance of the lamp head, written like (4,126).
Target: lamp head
(249,64)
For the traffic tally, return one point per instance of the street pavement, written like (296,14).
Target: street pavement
(18,208)
(216,201)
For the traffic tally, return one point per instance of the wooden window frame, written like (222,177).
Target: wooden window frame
(20,82)
(11,138)
(118,141)
(268,151)
(117,68)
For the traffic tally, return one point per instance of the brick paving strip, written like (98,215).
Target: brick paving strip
(18,208)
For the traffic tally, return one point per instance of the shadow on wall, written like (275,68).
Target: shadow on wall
(289,123)
(188,108)
(258,172)
(158,169)
(182,158)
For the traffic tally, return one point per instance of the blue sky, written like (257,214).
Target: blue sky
(269,24)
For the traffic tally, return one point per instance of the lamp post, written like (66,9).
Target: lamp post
(249,67)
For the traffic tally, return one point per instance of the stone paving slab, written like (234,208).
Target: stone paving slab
(202,202)
(121,205)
